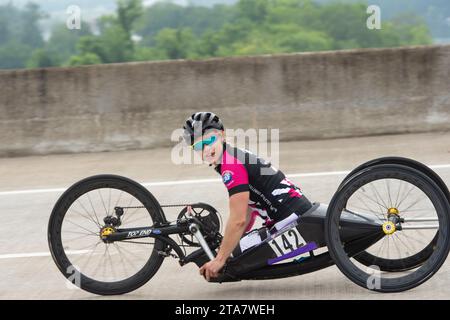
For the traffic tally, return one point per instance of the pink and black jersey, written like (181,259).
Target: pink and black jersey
(269,189)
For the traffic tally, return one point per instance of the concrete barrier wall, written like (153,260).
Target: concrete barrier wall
(306,96)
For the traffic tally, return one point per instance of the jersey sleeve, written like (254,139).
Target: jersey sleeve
(235,178)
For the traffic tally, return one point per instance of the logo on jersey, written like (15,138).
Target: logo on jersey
(227,176)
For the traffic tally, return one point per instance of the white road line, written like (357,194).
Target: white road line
(203,181)
(16,192)
(38,254)
(317,174)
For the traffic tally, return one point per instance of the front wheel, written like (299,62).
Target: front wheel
(86,212)
(414,216)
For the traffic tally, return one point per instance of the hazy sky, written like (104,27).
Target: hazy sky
(96,7)
(91,9)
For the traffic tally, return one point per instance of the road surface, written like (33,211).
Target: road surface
(30,186)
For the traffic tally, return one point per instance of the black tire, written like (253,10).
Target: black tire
(55,238)
(339,201)
(397,265)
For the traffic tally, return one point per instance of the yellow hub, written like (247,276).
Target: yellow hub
(393,211)
(389,227)
(106,232)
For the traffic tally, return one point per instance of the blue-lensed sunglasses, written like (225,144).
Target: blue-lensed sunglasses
(198,146)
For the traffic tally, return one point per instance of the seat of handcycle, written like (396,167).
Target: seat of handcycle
(248,258)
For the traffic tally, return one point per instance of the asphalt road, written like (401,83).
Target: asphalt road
(30,186)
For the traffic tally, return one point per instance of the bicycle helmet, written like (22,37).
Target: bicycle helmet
(198,123)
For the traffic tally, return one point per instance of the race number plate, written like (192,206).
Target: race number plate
(287,242)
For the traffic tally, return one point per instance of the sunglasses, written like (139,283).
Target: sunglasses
(198,146)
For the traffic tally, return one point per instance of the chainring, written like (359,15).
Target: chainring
(209,218)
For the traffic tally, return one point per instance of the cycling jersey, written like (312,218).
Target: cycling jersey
(269,188)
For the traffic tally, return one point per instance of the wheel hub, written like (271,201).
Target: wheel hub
(393,221)
(393,211)
(106,231)
(389,227)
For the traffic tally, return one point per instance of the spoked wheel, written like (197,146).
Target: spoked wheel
(92,209)
(368,258)
(413,214)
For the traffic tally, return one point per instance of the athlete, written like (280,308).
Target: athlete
(252,183)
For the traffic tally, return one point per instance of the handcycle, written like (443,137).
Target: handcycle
(386,228)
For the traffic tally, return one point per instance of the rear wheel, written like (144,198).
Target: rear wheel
(84,213)
(399,264)
(415,222)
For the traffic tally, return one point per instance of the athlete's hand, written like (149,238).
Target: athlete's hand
(211,269)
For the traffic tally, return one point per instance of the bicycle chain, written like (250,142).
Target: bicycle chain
(162,206)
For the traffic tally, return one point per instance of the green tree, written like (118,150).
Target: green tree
(248,27)
(41,58)
(254,10)
(62,43)
(145,54)
(84,59)
(176,43)
(293,39)
(19,34)
(163,15)
(114,44)
(14,55)
(209,44)
(128,12)
(409,29)
(30,32)
(4,32)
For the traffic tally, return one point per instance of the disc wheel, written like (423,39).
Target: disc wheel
(414,251)
(77,228)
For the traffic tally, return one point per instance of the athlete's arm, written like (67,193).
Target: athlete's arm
(235,226)
(233,231)
(235,177)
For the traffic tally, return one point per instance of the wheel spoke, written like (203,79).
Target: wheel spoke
(398,193)
(397,248)
(104,206)
(378,195)
(90,201)
(110,261)
(130,214)
(91,232)
(377,215)
(404,244)
(78,201)
(86,217)
(117,202)
(367,197)
(381,246)
(94,247)
(130,252)
(80,237)
(124,257)
(412,238)
(405,197)
(389,192)
(414,203)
